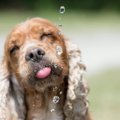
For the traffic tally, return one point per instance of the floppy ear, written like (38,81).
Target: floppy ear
(8,101)
(4,93)
(76,104)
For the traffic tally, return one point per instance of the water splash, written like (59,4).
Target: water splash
(55,65)
(59,50)
(56,99)
(62,9)
(52,110)
(60,25)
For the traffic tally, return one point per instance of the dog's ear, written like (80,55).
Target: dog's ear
(76,105)
(5,111)
(9,100)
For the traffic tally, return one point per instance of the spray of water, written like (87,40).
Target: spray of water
(52,110)
(56,99)
(61,11)
(59,50)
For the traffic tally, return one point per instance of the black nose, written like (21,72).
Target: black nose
(35,55)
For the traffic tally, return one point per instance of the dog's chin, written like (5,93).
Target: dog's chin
(45,75)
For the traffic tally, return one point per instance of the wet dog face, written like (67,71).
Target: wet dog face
(36,54)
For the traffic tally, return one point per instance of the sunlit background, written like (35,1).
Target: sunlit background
(92,24)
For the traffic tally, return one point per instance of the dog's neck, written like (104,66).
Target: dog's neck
(43,104)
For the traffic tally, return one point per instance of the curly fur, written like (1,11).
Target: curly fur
(76,106)
(12,105)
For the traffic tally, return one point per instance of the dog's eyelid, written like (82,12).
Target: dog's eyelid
(13,49)
(46,35)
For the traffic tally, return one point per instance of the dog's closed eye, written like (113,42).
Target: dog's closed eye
(13,49)
(46,35)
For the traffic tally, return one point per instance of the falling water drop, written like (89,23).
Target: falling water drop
(62,9)
(56,99)
(52,110)
(60,92)
(60,18)
(55,65)
(59,33)
(55,88)
(59,50)
(60,25)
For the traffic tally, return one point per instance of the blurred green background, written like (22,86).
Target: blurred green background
(92,24)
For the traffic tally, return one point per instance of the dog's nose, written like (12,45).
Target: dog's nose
(35,55)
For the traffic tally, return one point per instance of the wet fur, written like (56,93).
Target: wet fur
(15,88)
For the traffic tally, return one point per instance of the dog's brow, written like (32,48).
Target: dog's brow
(30,44)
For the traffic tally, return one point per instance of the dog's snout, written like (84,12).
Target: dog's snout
(35,55)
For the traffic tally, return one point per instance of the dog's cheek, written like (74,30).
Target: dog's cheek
(13,64)
(23,68)
(23,72)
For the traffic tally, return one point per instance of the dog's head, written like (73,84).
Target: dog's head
(36,54)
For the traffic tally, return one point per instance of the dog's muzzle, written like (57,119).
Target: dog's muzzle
(34,55)
(40,64)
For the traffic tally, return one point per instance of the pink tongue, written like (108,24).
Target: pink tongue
(43,73)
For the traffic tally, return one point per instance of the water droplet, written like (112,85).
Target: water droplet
(56,99)
(55,88)
(70,107)
(59,33)
(60,92)
(60,18)
(55,65)
(52,110)
(59,50)
(60,25)
(62,9)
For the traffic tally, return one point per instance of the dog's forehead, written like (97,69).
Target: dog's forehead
(30,44)
(41,28)
(14,38)
(30,28)
(34,26)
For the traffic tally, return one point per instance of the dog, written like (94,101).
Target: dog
(41,75)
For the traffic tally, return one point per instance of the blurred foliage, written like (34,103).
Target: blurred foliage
(70,4)
(104,95)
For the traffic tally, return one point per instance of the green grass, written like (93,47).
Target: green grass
(105,95)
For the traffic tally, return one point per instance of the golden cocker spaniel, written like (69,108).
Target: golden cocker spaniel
(41,75)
